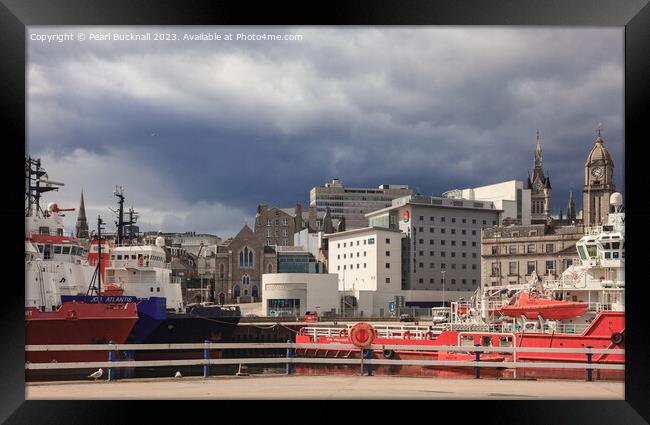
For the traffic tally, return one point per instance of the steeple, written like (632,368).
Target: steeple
(538,153)
(571,208)
(81,227)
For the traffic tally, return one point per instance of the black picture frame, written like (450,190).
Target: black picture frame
(634,15)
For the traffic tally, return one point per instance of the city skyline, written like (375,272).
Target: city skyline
(432,108)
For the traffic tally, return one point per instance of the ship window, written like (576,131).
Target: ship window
(616,245)
(157,289)
(66,250)
(581,252)
(40,248)
(119,256)
(591,250)
(151,289)
(615,255)
(74,250)
(608,255)
(57,249)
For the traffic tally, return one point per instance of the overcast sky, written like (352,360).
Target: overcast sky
(199,132)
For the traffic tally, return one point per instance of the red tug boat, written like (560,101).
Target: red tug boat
(585,308)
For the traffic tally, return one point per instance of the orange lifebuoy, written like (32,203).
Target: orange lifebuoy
(362,334)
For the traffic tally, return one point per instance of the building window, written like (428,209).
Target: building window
(531,248)
(453,281)
(513,249)
(464,220)
(442,219)
(495,269)
(364,265)
(431,253)
(453,254)
(443,265)
(464,267)
(530,267)
(387,240)
(484,222)
(431,265)
(464,281)
(473,221)
(473,232)
(443,231)
(443,253)
(222,271)
(453,243)
(245,280)
(246,258)
(338,267)
(473,266)
(532,233)
(442,242)
(430,218)
(421,265)
(268,222)
(514,234)
(463,254)
(453,231)
(494,250)
(430,241)
(474,243)
(269,268)
(420,241)
(473,281)
(550,267)
(512,268)
(421,218)
(388,265)
(463,243)
(255,292)
(463,231)
(388,280)
(236,292)
(549,247)
(431,229)
(453,266)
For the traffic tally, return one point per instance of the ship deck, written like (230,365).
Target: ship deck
(323,387)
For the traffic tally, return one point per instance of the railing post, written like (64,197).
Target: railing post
(111,358)
(206,356)
(370,364)
(361,354)
(478,359)
(589,371)
(288,356)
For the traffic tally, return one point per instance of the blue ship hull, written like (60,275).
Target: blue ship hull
(157,326)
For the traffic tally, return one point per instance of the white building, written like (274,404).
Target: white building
(368,262)
(293,294)
(510,196)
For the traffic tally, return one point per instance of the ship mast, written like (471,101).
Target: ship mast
(97,275)
(35,185)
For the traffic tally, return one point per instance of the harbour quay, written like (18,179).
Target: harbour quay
(324,387)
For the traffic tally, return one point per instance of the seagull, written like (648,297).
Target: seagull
(97,375)
(178,374)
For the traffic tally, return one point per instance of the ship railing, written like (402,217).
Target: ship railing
(593,230)
(549,328)
(135,264)
(382,331)
(509,357)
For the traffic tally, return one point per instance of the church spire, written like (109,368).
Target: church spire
(571,208)
(81,227)
(538,153)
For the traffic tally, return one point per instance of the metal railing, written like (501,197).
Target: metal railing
(292,359)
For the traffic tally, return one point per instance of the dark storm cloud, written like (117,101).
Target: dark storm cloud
(227,125)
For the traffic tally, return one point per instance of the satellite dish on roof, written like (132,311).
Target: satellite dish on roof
(616,199)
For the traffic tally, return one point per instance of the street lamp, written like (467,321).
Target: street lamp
(443,288)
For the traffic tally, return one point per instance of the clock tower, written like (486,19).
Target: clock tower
(599,184)
(540,189)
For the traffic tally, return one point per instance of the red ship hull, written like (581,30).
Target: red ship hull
(77,323)
(598,335)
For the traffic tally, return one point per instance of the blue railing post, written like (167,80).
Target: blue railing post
(478,359)
(111,358)
(370,364)
(589,371)
(206,356)
(289,370)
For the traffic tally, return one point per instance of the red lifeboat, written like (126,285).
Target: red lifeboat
(533,306)
(112,290)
